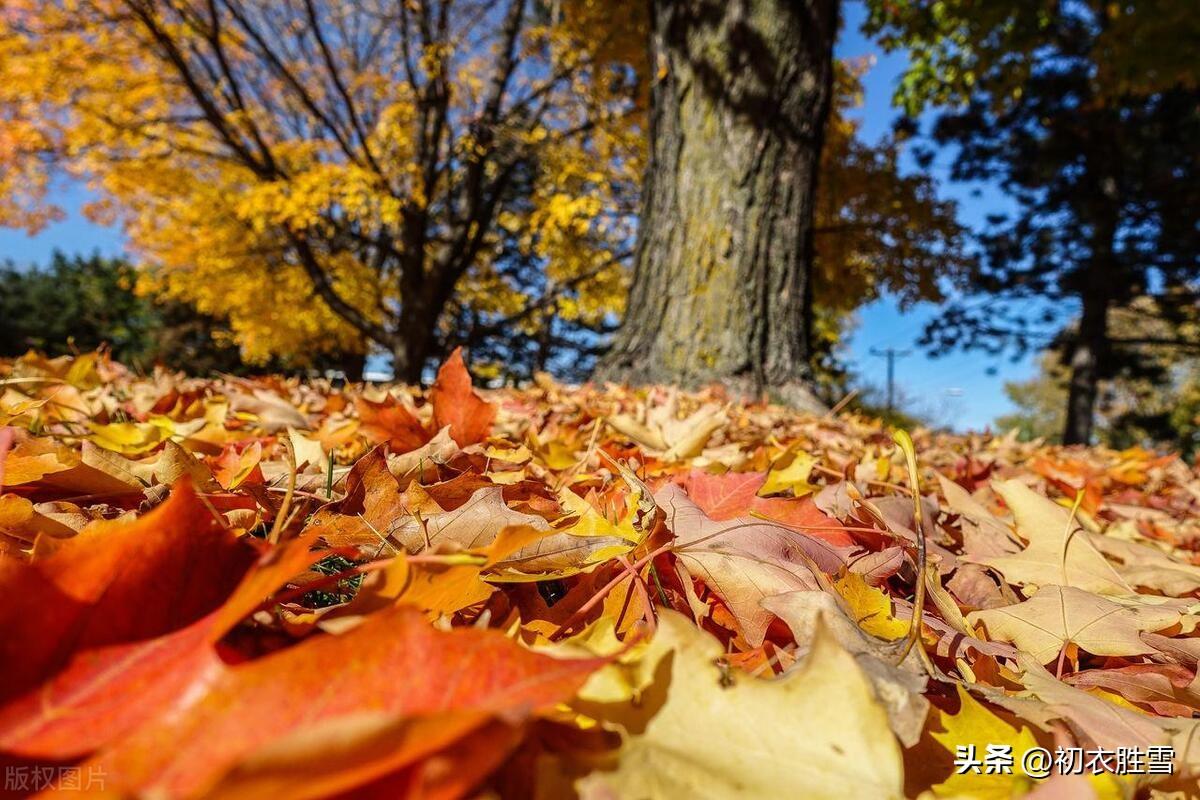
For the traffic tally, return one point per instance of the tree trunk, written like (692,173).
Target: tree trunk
(352,366)
(1085,364)
(413,348)
(408,360)
(1096,286)
(721,289)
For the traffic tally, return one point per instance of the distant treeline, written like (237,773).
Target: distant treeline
(76,304)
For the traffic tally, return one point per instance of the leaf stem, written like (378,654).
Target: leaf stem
(905,443)
(281,516)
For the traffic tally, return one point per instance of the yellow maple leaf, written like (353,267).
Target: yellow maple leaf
(790,474)
(1058,615)
(593,523)
(130,438)
(974,726)
(871,608)
(1056,553)
(724,735)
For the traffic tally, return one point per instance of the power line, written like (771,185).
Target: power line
(891,354)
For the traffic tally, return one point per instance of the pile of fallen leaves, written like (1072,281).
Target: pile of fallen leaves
(267,587)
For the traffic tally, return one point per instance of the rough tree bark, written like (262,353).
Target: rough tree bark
(721,289)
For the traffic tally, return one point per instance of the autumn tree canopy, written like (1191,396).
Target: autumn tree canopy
(1086,115)
(430,172)
(373,179)
(877,228)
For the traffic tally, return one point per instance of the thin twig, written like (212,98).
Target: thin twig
(835,474)
(217,515)
(842,403)
(599,596)
(1069,533)
(904,441)
(795,526)
(297,493)
(289,452)
(329,478)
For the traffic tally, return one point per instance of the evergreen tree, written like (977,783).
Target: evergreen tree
(77,303)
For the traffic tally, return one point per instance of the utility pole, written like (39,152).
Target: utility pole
(891,354)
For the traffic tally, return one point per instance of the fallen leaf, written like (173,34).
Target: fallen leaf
(115,582)
(715,740)
(1096,722)
(736,494)
(661,431)
(393,423)
(89,703)
(272,412)
(974,726)
(393,668)
(871,608)
(1058,615)
(745,560)
(1055,554)
(790,474)
(129,438)
(897,688)
(1162,687)
(457,406)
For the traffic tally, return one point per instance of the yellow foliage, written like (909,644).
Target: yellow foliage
(872,609)
(713,740)
(241,174)
(976,727)
(790,472)
(256,164)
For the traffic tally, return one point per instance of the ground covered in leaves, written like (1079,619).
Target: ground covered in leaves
(248,588)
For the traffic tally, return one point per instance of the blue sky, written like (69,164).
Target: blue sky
(958,389)
(75,234)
